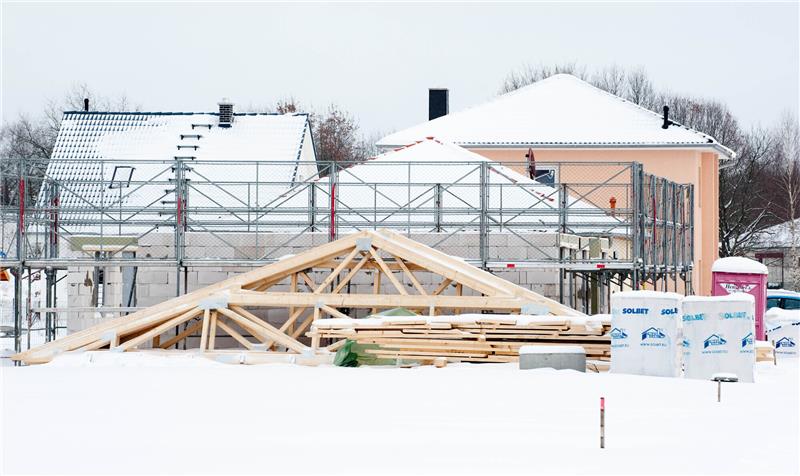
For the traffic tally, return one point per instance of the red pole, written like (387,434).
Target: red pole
(333,212)
(602,422)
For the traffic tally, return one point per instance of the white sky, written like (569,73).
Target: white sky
(378,60)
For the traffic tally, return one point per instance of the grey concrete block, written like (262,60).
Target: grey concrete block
(555,357)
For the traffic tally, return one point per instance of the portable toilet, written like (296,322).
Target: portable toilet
(742,275)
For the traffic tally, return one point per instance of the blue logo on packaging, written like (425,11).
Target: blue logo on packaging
(713,340)
(685,344)
(617,333)
(669,312)
(693,317)
(635,310)
(785,342)
(653,333)
(747,340)
(734,315)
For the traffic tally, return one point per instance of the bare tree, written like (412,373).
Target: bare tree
(612,79)
(33,137)
(787,178)
(639,89)
(529,74)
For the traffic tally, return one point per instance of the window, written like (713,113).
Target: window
(773,302)
(791,303)
(122,176)
(546,175)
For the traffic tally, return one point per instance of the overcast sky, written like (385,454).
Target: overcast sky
(378,60)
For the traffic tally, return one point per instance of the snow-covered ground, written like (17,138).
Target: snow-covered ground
(145,414)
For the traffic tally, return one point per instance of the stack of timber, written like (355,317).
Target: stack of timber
(465,338)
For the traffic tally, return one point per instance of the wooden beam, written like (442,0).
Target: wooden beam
(175,321)
(376,287)
(388,272)
(352,273)
(335,312)
(239,338)
(283,300)
(186,333)
(410,275)
(212,331)
(309,282)
(442,286)
(204,334)
(265,328)
(337,270)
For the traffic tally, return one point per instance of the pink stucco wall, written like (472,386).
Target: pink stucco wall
(680,165)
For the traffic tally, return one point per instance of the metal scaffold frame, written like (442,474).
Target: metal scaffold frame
(53,222)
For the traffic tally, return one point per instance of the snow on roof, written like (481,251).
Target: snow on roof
(647,294)
(559,111)
(738,264)
(779,236)
(132,154)
(734,297)
(410,176)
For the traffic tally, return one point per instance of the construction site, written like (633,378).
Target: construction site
(87,240)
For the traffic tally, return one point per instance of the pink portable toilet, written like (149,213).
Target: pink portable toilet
(742,275)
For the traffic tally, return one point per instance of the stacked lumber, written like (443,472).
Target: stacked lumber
(764,351)
(465,338)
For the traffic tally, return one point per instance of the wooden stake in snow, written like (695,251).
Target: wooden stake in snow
(774,353)
(723,377)
(602,422)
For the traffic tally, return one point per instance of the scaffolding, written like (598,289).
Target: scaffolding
(598,225)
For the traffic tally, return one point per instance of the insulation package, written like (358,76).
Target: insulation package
(644,333)
(783,328)
(719,336)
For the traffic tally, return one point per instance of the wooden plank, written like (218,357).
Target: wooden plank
(442,286)
(186,333)
(351,274)
(335,312)
(158,330)
(238,337)
(376,287)
(387,272)
(258,327)
(328,280)
(282,300)
(410,276)
(212,331)
(204,333)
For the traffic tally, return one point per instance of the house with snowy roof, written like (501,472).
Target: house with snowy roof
(113,169)
(564,119)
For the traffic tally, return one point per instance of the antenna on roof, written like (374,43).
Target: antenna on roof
(86,104)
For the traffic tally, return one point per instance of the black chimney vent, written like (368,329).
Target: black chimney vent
(225,113)
(667,122)
(86,104)
(438,103)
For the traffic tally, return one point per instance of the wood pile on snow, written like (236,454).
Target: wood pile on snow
(467,337)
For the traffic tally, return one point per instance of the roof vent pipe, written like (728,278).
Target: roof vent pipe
(667,122)
(86,104)
(438,103)
(225,113)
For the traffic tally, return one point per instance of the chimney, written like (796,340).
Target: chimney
(225,113)
(86,104)
(438,103)
(667,122)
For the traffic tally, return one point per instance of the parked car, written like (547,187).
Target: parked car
(783,299)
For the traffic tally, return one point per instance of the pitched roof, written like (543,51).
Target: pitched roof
(94,149)
(559,111)
(409,177)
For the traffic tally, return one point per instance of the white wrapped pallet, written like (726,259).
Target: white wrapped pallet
(644,333)
(783,328)
(718,336)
